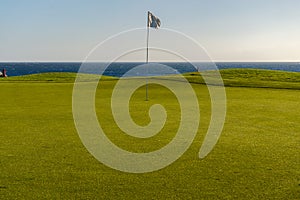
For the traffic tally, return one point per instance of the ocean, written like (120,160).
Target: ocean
(118,69)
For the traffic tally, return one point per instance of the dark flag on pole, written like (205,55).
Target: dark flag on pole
(153,21)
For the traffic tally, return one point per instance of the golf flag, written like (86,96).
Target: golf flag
(153,21)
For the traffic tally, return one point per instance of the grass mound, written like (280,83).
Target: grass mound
(54,77)
(256,78)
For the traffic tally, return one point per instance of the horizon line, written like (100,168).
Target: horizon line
(136,61)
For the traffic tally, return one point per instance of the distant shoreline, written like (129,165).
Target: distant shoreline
(117,69)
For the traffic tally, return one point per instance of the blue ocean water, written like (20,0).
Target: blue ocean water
(118,69)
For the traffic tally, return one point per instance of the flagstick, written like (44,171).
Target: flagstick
(147,57)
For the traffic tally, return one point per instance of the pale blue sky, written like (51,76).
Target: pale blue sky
(230,30)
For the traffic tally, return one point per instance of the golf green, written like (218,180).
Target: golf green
(256,157)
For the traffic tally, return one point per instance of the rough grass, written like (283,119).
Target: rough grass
(231,77)
(252,78)
(42,157)
(57,77)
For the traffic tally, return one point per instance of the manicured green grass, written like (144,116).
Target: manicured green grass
(257,156)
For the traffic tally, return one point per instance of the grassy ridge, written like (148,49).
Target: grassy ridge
(231,77)
(253,78)
(54,77)
(42,157)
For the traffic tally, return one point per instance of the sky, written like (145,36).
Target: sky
(228,30)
